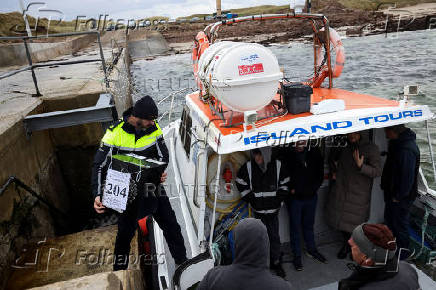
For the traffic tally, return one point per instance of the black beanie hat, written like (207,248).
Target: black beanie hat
(145,108)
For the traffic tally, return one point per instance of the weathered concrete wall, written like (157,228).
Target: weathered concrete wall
(15,54)
(40,162)
(21,219)
(121,86)
(143,44)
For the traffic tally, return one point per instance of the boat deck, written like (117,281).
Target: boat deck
(315,274)
(352,101)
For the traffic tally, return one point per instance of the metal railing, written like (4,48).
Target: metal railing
(212,31)
(171,109)
(32,66)
(19,183)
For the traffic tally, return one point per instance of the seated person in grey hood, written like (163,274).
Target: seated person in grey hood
(249,269)
(373,249)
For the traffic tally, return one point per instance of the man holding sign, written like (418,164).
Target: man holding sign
(137,141)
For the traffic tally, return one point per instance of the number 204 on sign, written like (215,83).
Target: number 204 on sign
(116,190)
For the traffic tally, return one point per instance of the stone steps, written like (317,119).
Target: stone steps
(69,257)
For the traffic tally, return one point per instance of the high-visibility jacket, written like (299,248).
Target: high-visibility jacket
(265,191)
(122,138)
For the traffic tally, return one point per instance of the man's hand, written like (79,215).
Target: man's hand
(163,178)
(99,207)
(357,158)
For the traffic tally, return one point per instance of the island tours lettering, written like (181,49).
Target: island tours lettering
(318,129)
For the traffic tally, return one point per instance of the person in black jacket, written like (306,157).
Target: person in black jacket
(249,269)
(264,184)
(306,168)
(399,181)
(377,267)
(138,133)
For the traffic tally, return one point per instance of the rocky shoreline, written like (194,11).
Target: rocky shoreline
(347,22)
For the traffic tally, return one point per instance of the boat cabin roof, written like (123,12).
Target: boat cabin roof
(361,112)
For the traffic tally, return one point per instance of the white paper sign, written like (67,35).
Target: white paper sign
(116,190)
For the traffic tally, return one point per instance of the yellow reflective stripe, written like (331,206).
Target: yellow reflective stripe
(130,159)
(120,139)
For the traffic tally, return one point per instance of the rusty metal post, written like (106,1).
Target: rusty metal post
(103,62)
(29,58)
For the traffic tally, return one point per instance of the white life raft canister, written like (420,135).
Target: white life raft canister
(243,76)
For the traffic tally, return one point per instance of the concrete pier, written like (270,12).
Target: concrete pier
(149,44)
(55,163)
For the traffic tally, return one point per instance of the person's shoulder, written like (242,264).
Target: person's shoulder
(406,267)
(217,272)
(117,124)
(244,166)
(218,269)
(408,146)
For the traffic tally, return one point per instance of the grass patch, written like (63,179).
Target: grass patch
(317,5)
(12,24)
(256,10)
(372,5)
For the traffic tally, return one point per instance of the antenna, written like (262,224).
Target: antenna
(218,8)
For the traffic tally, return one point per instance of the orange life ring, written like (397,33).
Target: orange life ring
(201,43)
(335,40)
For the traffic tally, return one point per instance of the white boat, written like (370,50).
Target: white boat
(210,136)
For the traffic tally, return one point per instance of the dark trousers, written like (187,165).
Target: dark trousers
(302,219)
(271,222)
(166,219)
(397,218)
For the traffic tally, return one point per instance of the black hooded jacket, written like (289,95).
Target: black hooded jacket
(306,169)
(400,173)
(250,269)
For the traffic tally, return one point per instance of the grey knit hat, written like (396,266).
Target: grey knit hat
(375,241)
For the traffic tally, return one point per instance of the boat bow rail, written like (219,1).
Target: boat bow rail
(362,112)
(320,25)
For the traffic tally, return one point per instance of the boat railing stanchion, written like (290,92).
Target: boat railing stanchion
(327,43)
(171,108)
(217,186)
(430,146)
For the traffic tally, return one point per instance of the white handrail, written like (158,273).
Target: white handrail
(431,150)
(172,96)
(217,186)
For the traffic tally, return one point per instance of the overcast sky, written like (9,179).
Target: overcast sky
(131,9)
